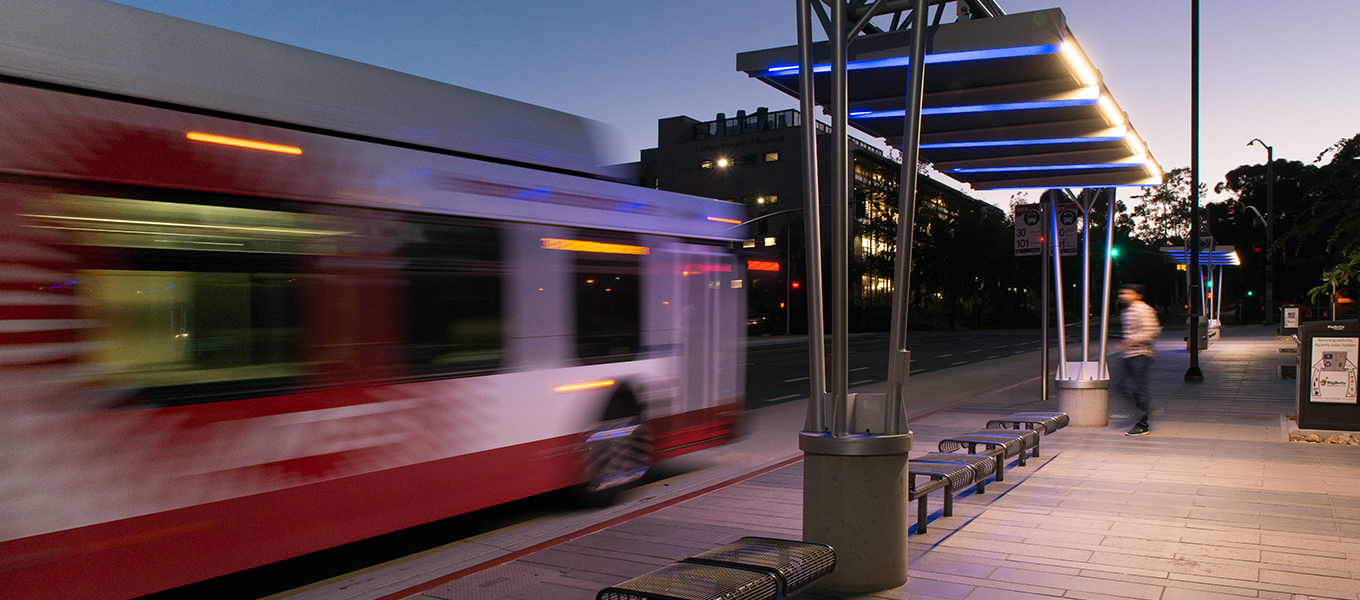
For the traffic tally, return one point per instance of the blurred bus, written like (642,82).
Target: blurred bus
(257,301)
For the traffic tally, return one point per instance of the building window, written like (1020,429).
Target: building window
(771,156)
(769,241)
(748,244)
(708,164)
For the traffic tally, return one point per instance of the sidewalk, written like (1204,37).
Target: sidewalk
(1214,504)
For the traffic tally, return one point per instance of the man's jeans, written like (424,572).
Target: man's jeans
(1136,383)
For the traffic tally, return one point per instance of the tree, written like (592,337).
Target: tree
(1161,215)
(1333,213)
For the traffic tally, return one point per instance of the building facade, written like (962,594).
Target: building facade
(756,160)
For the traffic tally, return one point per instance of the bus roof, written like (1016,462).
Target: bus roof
(114,49)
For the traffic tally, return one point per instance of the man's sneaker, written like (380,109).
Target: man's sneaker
(1137,430)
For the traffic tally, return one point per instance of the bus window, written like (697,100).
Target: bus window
(608,323)
(454,324)
(189,302)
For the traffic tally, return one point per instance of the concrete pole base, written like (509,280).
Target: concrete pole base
(860,506)
(1085,406)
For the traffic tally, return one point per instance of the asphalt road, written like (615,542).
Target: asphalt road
(777,368)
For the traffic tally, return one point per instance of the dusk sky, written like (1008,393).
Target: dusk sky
(1284,72)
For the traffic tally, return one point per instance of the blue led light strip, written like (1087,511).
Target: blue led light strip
(999,143)
(1048,168)
(931,59)
(975,108)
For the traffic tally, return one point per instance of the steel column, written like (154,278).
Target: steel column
(899,359)
(1087,201)
(1045,205)
(1105,296)
(1058,284)
(842,411)
(812,227)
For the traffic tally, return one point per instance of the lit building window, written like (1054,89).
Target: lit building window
(748,244)
(708,164)
(769,241)
(771,156)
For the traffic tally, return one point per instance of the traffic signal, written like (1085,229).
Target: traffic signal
(1248,293)
(1114,252)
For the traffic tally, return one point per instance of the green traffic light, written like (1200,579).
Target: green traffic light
(1114,252)
(1249,292)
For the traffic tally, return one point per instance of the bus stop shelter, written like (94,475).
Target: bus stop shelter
(993,100)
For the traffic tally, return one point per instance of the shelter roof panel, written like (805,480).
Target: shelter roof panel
(1011,95)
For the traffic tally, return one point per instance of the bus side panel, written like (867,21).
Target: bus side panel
(141,555)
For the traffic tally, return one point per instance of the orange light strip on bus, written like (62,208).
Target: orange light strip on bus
(722,220)
(589,385)
(240,143)
(762,265)
(584,246)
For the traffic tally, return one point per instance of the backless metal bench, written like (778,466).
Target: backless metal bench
(1047,422)
(947,476)
(983,466)
(1029,440)
(998,447)
(751,567)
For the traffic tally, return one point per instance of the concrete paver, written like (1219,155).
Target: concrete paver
(1216,503)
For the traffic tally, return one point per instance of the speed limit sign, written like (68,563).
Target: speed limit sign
(1030,227)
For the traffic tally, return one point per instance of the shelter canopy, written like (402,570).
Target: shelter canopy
(1010,101)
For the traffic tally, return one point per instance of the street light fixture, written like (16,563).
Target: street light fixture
(1270,228)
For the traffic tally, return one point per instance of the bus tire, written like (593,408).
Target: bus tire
(618,451)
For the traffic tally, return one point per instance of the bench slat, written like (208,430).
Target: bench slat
(688,581)
(796,565)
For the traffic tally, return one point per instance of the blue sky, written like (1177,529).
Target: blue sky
(1284,72)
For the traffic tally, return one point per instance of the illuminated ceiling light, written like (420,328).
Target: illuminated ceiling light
(240,143)
(1136,144)
(585,246)
(724,220)
(1115,165)
(722,162)
(1077,61)
(977,108)
(1003,143)
(1113,115)
(931,59)
(588,385)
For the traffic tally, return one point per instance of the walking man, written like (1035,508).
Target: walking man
(1140,327)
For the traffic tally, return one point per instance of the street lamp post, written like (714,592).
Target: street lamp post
(1270,228)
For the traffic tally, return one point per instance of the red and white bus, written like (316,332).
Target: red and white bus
(257,301)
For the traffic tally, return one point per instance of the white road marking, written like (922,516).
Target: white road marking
(783,398)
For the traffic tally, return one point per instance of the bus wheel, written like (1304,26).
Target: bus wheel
(617,453)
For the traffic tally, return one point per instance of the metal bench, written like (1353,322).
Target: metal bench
(946,476)
(998,447)
(750,568)
(1048,423)
(1029,440)
(982,465)
(689,581)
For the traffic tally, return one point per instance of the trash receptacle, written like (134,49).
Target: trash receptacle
(1327,374)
